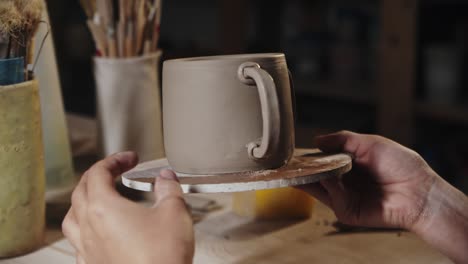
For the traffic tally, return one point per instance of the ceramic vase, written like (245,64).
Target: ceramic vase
(58,160)
(22,179)
(129,106)
(275,204)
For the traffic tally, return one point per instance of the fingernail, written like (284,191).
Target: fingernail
(168,175)
(127,157)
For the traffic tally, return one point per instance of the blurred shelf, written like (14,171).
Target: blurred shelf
(446,113)
(442,2)
(325,115)
(357,93)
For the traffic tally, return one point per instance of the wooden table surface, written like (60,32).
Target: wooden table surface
(222,237)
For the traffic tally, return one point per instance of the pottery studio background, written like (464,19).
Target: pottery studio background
(395,68)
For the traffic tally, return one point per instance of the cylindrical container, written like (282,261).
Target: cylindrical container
(227,114)
(58,161)
(129,106)
(275,204)
(11,71)
(22,179)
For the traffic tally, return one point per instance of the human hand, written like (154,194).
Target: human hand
(387,187)
(104,227)
(392,186)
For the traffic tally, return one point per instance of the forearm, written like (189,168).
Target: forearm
(444,221)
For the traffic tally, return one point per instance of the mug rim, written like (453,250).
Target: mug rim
(230,57)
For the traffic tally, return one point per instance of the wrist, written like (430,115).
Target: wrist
(444,204)
(443,222)
(430,206)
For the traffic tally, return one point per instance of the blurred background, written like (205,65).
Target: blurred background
(396,68)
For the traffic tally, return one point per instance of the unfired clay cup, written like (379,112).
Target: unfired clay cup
(227,114)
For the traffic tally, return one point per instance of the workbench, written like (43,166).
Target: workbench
(223,237)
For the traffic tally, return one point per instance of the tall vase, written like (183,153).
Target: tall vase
(129,106)
(22,180)
(58,160)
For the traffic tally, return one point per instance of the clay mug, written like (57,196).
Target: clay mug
(227,114)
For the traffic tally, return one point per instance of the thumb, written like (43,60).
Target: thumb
(167,187)
(336,142)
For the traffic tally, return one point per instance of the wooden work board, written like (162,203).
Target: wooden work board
(224,237)
(306,166)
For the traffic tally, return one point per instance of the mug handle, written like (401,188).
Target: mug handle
(251,73)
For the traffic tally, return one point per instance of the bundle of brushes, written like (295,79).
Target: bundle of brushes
(19,21)
(126,28)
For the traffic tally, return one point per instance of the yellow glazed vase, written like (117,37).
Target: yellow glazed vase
(22,179)
(275,204)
